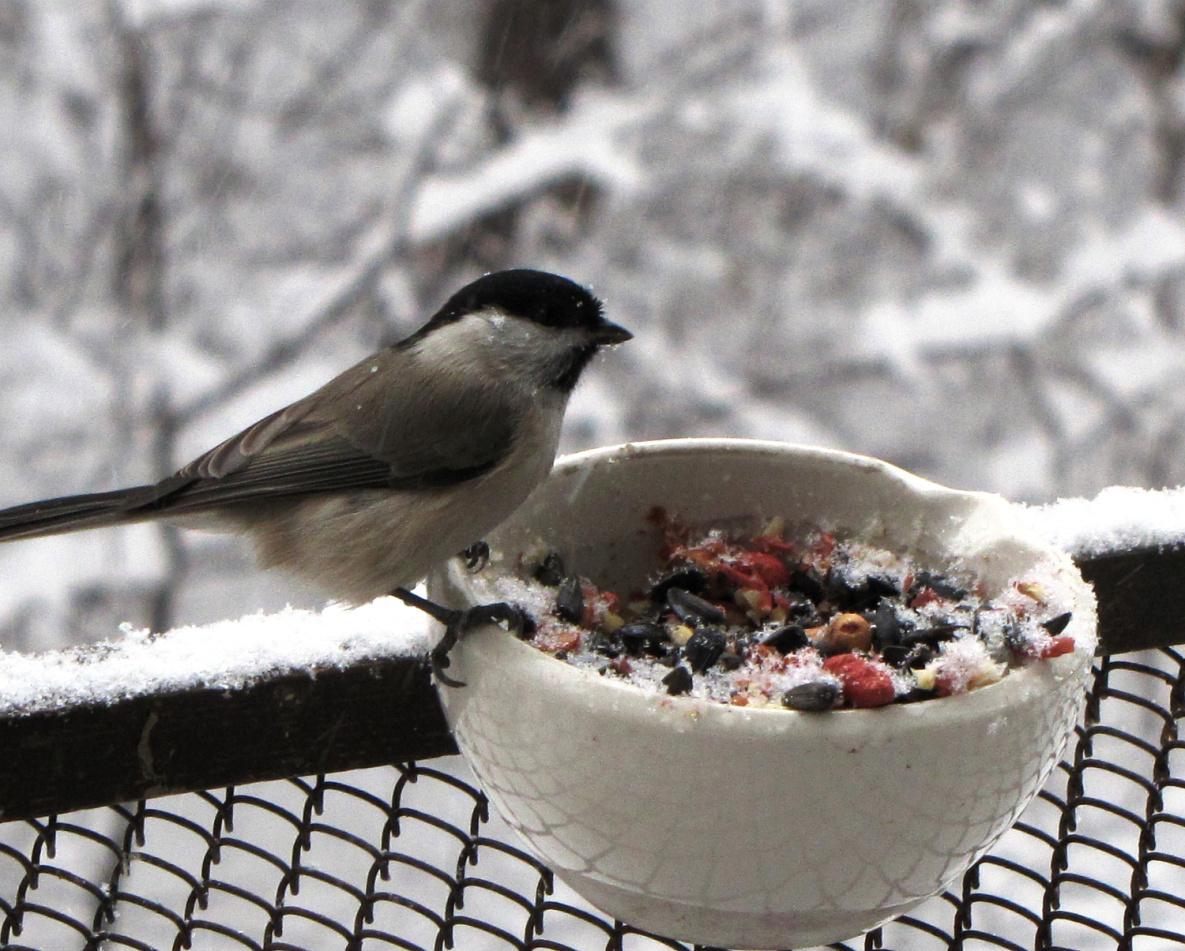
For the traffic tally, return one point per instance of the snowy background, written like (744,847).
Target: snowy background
(945,233)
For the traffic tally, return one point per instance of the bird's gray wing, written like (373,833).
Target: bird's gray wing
(388,427)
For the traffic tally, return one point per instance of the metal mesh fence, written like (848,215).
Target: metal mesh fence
(410,856)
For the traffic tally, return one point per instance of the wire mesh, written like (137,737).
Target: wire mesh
(411,856)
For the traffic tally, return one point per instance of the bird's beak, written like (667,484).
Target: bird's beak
(608,334)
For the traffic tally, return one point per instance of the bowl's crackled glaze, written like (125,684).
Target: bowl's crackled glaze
(744,827)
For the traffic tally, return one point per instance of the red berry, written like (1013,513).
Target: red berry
(774,544)
(1062,644)
(767,567)
(924,597)
(865,683)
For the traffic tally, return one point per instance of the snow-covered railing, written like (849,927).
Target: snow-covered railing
(263,697)
(297,693)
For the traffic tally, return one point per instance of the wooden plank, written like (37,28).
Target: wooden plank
(324,720)
(379,711)
(1141,594)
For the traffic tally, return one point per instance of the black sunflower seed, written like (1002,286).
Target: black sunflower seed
(933,634)
(804,613)
(809,583)
(731,661)
(693,609)
(1014,637)
(812,697)
(704,648)
(882,587)
(607,645)
(550,571)
(1055,625)
(639,636)
(941,586)
(842,593)
(886,629)
(678,681)
(688,578)
(569,600)
(787,639)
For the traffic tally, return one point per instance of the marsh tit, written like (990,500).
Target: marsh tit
(403,460)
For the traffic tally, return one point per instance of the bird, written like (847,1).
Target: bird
(403,460)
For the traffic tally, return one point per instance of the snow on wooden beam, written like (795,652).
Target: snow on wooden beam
(194,711)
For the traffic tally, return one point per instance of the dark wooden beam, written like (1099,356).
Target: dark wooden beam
(292,724)
(1141,595)
(374,712)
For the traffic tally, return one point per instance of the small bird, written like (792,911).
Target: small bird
(406,458)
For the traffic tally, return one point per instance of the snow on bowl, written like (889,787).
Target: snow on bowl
(755,828)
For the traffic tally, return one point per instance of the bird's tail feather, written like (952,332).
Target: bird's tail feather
(70,514)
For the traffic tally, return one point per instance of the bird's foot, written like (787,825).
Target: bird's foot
(458,622)
(476,556)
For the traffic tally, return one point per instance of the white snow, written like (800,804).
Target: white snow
(1117,519)
(224,655)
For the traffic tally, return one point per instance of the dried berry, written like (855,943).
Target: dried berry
(813,697)
(550,571)
(704,648)
(693,609)
(678,681)
(621,665)
(1063,644)
(569,600)
(865,682)
(786,639)
(770,569)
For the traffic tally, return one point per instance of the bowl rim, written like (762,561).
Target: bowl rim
(758,447)
(998,697)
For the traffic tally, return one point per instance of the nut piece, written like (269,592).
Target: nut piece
(845,633)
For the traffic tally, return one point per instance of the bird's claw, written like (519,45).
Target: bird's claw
(515,619)
(476,556)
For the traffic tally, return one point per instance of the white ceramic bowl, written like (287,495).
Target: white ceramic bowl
(755,828)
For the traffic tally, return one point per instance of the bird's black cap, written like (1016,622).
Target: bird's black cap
(545,298)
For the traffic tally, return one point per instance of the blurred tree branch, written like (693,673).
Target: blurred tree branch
(282,353)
